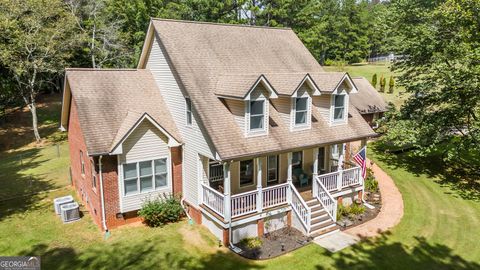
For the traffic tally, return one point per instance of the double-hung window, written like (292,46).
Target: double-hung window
(188,106)
(272,165)
(301,111)
(257,115)
(338,107)
(144,176)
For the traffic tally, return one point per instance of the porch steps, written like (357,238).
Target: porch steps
(320,222)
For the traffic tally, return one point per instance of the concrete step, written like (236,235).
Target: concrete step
(325,230)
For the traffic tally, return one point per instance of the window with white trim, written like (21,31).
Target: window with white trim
(301,111)
(339,107)
(257,115)
(144,176)
(188,108)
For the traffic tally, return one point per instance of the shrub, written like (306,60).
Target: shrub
(371,184)
(383,81)
(251,242)
(374,80)
(161,210)
(329,62)
(356,209)
(391,84)
(341,211)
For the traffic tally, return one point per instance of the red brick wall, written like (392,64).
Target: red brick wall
(176,153)
(83,183)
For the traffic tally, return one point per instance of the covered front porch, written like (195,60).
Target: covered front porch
(234,190)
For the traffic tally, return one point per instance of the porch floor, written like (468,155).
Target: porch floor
(305,191)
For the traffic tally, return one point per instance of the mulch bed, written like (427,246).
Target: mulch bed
(271,247)
(374,199)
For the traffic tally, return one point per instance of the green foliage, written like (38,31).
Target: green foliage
(374,80)
(371,184)
(349,211)
(391,84)
(251,242)
(382,83)
(161,210)
(442,74)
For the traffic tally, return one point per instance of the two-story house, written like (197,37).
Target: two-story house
(241,121)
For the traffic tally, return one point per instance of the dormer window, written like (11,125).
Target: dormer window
(339,108)
(301,111)
(257,115)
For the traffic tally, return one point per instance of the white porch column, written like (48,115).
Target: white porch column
(259,185)
(289,177)
(226,190)
(315,171)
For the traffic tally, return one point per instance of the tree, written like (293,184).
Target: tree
(36,42)
(374,80)
(441,71)
(382,83)
(391,84)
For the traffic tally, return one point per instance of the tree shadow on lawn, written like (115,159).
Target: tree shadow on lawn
(464,181)
(20,191)
(144,255)
(380,253)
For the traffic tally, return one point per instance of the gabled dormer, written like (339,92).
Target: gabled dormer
(257,107)
(301,104)
(339,101)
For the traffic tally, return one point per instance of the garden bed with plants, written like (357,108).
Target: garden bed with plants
(273,244)
(357,213)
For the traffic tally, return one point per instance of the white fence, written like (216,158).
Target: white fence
(244,203)
(213,200)
(275,195)
(341,179)
(300,208)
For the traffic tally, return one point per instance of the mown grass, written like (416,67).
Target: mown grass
(438,231)
(367,71)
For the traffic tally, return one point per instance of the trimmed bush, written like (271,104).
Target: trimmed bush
(391,85)
(383,81)
(374,80)
(251,242)
(161,211)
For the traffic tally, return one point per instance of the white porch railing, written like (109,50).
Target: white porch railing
(325,198)
(275,195)
(341,179)
(351,177)
(300,208)
(330,180)
(213,200)
(244,203)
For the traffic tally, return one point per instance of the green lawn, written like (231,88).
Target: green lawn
(439,231)
(367,71)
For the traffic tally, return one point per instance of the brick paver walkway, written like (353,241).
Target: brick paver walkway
(392,207)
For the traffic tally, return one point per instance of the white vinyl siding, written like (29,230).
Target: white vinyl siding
(237,107)
(195,142)
(322,104)
(144,144)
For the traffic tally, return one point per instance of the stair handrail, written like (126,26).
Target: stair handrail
(321,188)
(297,195)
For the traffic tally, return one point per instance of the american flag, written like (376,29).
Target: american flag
(361,159)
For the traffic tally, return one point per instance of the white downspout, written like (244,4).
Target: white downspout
(102,200)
